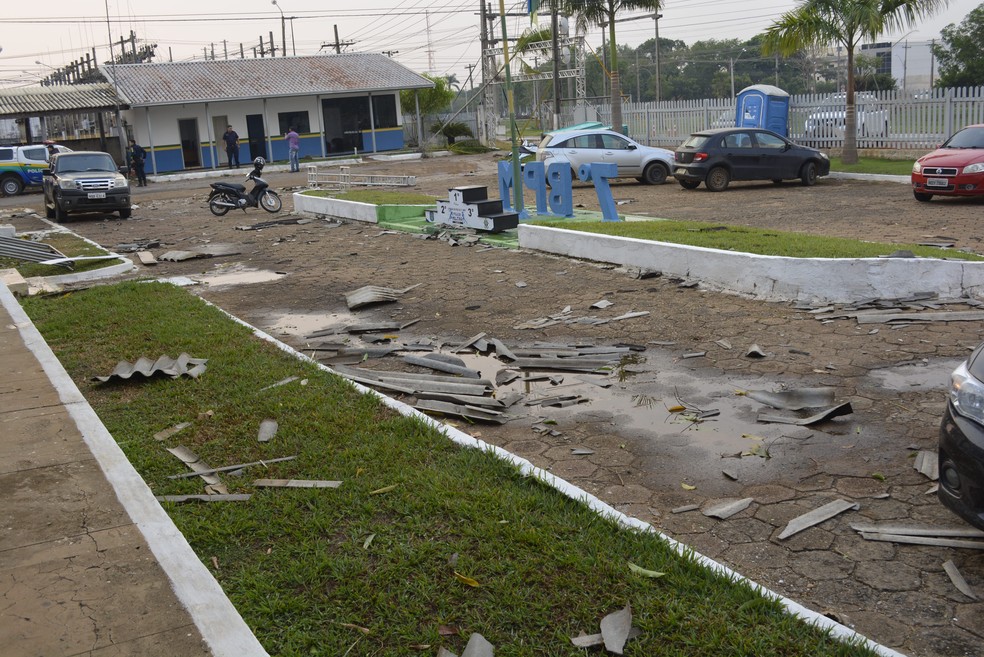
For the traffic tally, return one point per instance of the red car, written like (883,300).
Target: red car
(954,169)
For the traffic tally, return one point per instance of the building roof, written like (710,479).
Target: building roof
(173,83)
(58,99)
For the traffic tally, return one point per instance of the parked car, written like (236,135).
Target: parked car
(85,181)
(961,448)
(576,147)
(716,157)
(829,119)
(954,169)
(21,166)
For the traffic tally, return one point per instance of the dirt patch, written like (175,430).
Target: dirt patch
(643,455)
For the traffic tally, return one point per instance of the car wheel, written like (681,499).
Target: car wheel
(922,197)
(808,174)
(655,174)
(59,213)
(49,212)
(12,186)
(690,184)
(717,179)
(125,213)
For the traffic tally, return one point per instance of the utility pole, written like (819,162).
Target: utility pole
(273,49)
(430,49)
(656,17)
(262,48)
(471,68)
(555,41)
(225,48)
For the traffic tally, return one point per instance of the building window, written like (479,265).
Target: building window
(298,120)
(384,111)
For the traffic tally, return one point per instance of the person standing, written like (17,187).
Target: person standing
(293,148)
(138,157)
(232,145)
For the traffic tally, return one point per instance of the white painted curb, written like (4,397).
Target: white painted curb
(527,469)
(218,621)
(769,278)
(333,207)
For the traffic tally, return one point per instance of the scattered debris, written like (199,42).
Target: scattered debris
(371,294)
(31,251)
(167,433)
(241,497)
(289,379)
(436,363)
(830,413)
(794,400)
(581,451)
(956,537)
(520,284)
(928,464)
(815,517)
(269,224)
(174,368)
(730,473)
(296,483)
(639,570)
(727,508)
(268,429)
(724,344)
(146,258)
(229,468)
(944,316)
(685,508)
(601,305)
(190,459)
(755,351)
(958,580)
(694,354)
(615,628)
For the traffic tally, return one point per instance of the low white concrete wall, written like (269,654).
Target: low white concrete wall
(771,278)
(332,207)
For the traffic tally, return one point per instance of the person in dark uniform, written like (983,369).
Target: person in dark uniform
(138,157)
(232,145)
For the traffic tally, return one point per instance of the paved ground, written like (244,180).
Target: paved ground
(77,575)
(895,378)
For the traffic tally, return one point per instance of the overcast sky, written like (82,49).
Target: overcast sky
(439,36)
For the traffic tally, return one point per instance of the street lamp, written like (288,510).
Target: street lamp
(283,30)
(733,60)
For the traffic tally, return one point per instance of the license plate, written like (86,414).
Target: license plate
(97,194)
(680,171)
(937,182)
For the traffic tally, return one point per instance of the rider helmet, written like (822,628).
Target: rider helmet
(258,163)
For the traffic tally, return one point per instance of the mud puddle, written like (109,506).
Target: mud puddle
(916,377)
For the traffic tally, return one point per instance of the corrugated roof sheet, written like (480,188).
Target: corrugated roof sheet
(231,79)
(37,101)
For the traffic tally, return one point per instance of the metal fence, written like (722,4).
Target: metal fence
(892,120)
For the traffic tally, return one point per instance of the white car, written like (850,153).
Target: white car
(576,147)
(828,120)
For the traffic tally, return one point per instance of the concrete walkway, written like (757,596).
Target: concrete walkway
(89,562)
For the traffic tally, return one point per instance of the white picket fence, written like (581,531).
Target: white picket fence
(894,120)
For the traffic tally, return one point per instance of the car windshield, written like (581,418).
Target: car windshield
(88,162)
(966,138)
(695,141)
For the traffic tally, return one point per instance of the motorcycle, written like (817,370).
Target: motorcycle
(228,196)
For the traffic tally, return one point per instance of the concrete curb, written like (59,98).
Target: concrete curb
(873,177)
(769,278)
(223,629)
(332,207)
(527,469)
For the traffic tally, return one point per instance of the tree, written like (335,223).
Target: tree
(432,101)
(959,54)
(845,23)
(603,12)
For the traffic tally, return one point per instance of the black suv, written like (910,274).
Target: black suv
(85,181)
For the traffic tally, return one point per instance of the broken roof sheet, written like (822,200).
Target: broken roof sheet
(172,83)
(42,101)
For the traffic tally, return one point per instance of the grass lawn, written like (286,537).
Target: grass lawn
(307,568)
(753,240)
(873,165)
(68,244)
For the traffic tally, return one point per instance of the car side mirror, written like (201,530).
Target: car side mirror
(632,147)
(124,170)
(47,172)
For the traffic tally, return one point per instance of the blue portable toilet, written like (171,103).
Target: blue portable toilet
(763,106)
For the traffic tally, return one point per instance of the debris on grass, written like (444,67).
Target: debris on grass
(239,497)
(639,570)
(383,490)
(296,483)
(161,436)
(815,517)
(368,541)
(464,579)
(268,429)
(230,468)
(190,459)
(615,628)
(282,382)
(183,365)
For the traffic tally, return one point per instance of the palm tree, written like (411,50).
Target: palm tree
(846,23)
(603,12)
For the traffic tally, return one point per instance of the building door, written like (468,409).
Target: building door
(219,124)
(256,136)
(191,146)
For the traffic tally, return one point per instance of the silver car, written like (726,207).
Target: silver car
(828,120)
(576,147)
